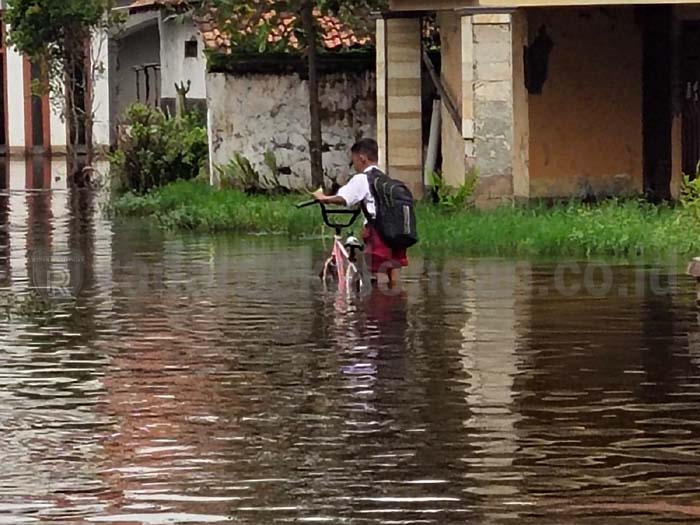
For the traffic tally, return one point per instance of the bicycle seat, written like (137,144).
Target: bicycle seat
(353,242)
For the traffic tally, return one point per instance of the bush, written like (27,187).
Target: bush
(239,174)
(157,150)
(453,198)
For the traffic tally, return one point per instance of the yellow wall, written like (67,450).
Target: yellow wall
(586,127)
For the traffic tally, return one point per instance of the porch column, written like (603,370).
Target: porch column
(14,112)
(497,139)
(399,127)
(452,51)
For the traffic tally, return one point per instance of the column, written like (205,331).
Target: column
(15,101)
(453,159)
(404,140)
(101,89)
(59,129)
(500,111)
(381,92)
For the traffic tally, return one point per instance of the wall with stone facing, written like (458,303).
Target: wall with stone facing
(252,114)
(497,136)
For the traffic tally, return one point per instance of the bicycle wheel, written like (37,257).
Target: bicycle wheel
(353,279)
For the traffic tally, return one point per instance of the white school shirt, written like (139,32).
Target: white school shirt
(357,190)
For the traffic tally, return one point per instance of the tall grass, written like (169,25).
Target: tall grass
(613,228)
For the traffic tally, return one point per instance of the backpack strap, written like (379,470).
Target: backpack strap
(371,177)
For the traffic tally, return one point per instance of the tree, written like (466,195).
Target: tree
(57,35)
(292,26)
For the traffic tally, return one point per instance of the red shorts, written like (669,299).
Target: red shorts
(379,256)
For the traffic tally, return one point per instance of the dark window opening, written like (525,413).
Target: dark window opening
(191,49)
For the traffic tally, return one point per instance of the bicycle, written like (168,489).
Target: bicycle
(342,265)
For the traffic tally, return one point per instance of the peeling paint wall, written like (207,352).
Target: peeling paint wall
(586,126)
(254,114)
(175,66)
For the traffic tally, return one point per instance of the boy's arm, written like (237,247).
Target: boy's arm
(326,199)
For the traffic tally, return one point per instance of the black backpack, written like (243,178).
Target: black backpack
(395,217)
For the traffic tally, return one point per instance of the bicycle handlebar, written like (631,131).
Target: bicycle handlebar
(307,204)
(328,212)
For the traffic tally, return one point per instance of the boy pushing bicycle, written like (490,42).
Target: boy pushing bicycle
(390,226)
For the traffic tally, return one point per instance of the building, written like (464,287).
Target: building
(546,98)
(33,124)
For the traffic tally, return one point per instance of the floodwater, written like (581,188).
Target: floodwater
(197,379)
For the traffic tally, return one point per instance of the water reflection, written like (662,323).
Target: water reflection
(194,379)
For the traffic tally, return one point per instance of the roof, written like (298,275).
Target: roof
(336,35)
(151,5)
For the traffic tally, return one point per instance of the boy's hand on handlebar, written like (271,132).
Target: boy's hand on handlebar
(319,195)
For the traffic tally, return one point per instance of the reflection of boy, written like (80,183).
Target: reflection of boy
(380,256)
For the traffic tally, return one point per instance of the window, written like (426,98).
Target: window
(191,49)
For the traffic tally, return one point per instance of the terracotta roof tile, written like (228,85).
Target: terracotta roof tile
(149,5)
(336,35)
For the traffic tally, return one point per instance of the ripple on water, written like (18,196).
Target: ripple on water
(203,379)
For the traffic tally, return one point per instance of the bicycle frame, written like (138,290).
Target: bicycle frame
(341,264)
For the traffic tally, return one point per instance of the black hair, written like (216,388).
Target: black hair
(367,147)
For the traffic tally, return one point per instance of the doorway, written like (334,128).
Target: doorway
(657,111)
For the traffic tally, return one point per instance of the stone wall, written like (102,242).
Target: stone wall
(253,114)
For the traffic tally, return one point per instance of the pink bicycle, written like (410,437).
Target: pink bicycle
(342,264)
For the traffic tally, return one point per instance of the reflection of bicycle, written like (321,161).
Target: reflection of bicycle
(342,265)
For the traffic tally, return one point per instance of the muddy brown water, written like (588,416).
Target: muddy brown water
(197,379)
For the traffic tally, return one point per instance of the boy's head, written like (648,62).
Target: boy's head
(365,153)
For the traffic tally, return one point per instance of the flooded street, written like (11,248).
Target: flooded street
(201,379)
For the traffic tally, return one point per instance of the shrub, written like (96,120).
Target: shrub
(157,150)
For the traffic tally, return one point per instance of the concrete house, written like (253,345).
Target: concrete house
(31,124)
(256,104)
(159,47)
(546,98)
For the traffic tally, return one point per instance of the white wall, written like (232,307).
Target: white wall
(175,68)
(59,129)
(16,95)
(100,55)
(15,99)
(253,114)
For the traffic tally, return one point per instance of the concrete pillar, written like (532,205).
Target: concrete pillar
(454,165)
(381,91)
(401,56)
(101,88)
(15,101)
(500,106)
(58,129)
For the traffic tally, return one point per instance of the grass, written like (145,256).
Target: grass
(613,228)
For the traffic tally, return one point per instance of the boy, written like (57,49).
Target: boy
(380,257)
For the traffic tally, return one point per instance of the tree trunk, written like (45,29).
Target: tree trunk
(88,89)
(70,115)
(316,142)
